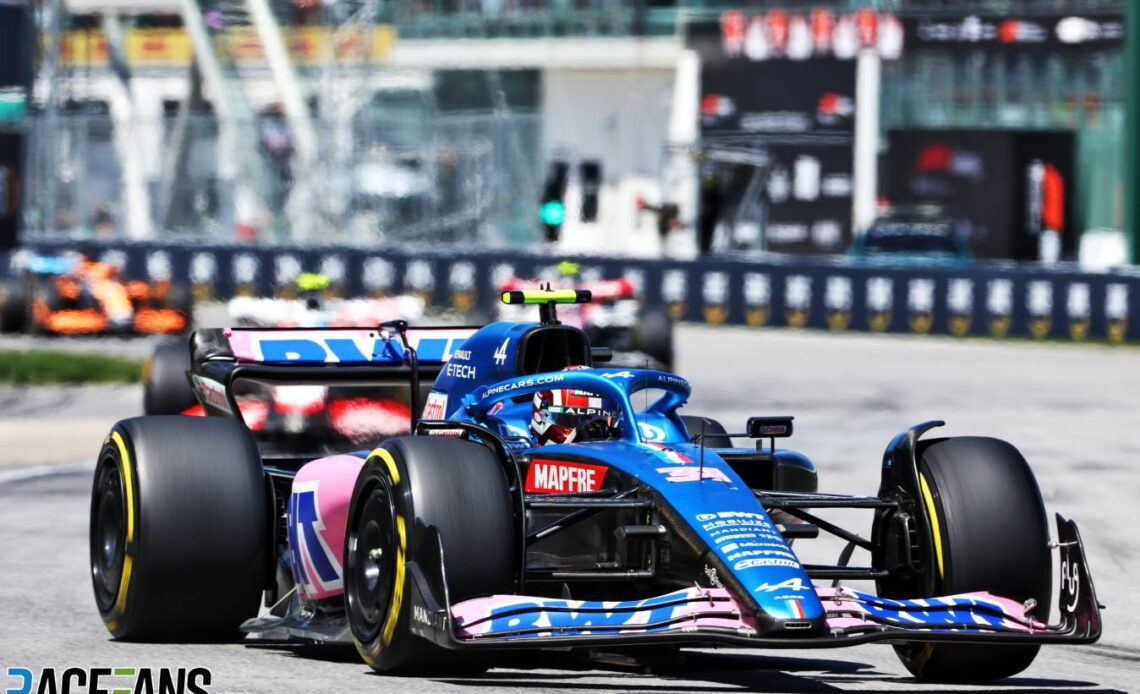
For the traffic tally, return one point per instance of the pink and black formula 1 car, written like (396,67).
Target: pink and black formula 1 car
(634,526)
(289,417)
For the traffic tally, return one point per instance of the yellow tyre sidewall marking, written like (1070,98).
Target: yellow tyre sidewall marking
(935,530)
(397,588)
(389,628)
(128,482)
(919,659)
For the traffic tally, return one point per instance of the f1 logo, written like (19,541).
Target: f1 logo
(1070,583)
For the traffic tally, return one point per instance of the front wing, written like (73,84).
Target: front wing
(713,615)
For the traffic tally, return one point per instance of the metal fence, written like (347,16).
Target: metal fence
(454,177)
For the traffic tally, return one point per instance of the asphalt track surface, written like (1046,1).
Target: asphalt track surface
(1071,409)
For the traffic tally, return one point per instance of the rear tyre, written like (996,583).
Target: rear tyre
(180,529)
(13,305)
(166,387)
(714,430)
(992,535)
(408,485)
(654,336)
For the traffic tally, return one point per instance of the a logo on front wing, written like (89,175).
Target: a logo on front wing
(1070,584)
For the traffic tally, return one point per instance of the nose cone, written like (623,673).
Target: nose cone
(743,543)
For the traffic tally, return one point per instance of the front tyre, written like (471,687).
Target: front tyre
(13,305)
(991,534)
(408,485)
(180,529)
(715,434)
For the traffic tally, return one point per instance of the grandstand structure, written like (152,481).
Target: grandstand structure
(359,121)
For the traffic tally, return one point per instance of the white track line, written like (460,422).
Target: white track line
(39,471)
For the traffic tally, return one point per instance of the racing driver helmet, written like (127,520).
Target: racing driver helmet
(564,415)
(311,288)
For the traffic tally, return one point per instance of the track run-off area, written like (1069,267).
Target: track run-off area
(1073,410)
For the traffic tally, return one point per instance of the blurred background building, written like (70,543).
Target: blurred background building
(368,121)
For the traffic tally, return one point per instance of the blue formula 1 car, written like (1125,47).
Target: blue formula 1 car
(541,502)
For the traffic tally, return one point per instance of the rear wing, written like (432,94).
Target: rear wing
(391,351)
(389,344)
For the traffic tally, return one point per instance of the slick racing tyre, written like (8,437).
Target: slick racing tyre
(653,335)
(990,534)
(166,387)
(714,430)
(13,305)
(408,486)
(180,529)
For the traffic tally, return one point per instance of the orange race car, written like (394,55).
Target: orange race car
(72,294)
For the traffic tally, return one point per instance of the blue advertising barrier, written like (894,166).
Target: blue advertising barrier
(978,299)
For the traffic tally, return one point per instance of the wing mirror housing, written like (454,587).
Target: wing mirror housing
(769,427)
